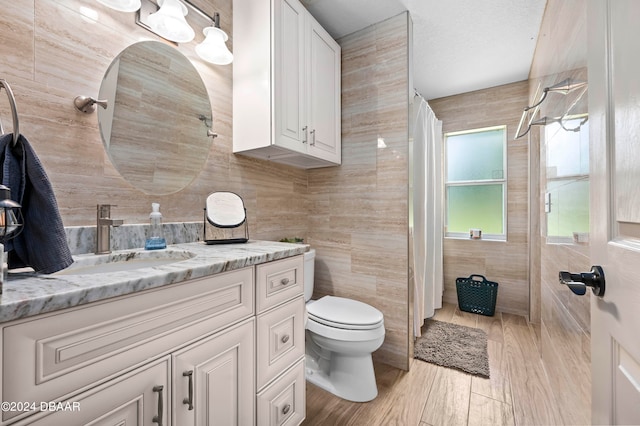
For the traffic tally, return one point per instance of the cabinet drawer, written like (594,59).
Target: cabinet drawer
(280,338)
(53,356)
(283,401)
(279,281)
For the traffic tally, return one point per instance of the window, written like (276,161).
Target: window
(567,171)
(475,187)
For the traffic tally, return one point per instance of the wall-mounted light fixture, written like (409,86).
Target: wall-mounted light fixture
(529,113)
(214,49)
(166,18)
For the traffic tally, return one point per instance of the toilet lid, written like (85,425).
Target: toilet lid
(344,313)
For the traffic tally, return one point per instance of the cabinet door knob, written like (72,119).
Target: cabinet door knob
(285,338)
(284,281)
(286,409)
(158,418)
(189,399)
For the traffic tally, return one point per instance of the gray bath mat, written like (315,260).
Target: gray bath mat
(454,346)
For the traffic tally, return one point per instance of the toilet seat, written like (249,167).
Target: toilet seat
(343,313)
(344,334)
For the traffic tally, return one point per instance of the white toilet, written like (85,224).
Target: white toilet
(341,335)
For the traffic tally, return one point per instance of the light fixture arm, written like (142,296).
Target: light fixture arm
(87,104)
(202,13)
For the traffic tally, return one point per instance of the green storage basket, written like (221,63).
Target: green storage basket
(476,294)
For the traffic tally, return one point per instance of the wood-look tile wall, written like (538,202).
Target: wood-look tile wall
(504,262)
(355,215)
(54,50)
(359,212)
(565,331)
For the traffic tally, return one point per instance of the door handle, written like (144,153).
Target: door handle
(578,283)
(189,400)
(158,418)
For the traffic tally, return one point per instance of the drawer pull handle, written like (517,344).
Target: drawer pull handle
(286,409)
(158,418)
(284,281)
(189,400)
(285,338)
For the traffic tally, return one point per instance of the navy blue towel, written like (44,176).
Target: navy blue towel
(42,244)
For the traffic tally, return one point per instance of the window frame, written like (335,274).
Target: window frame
(502,182)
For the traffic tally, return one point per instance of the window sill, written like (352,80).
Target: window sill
(575,241)
(492,238)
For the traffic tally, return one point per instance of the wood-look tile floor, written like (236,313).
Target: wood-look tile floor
(518,392)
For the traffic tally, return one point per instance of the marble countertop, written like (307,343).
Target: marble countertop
(26,293)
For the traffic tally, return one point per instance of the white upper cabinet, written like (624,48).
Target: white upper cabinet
(286,85)
(290,91)
(324,94)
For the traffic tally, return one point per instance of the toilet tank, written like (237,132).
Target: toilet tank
(309,268)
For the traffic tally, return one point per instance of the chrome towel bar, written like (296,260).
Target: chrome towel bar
(14,111)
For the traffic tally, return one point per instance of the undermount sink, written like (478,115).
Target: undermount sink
(123,261)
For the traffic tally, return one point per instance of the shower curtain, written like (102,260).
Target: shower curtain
(426,227)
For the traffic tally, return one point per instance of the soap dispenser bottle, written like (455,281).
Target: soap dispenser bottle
(156,237)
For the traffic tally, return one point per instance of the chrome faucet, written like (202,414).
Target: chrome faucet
(103,228)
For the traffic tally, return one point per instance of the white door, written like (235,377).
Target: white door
(138,398)
(614,115)
(213,380)
(324,98)
(291,124)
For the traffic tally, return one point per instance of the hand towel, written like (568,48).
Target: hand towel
(42,244)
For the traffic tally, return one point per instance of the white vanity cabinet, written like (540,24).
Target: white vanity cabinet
(286,85)
(81,353)
(183,354)
(280,340)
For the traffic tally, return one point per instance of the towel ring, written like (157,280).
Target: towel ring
(14,110)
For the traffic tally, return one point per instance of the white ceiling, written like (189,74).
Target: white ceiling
(458,45)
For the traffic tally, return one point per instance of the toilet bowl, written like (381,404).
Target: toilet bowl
(341,335)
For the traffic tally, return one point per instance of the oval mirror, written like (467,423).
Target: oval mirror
(154,128)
